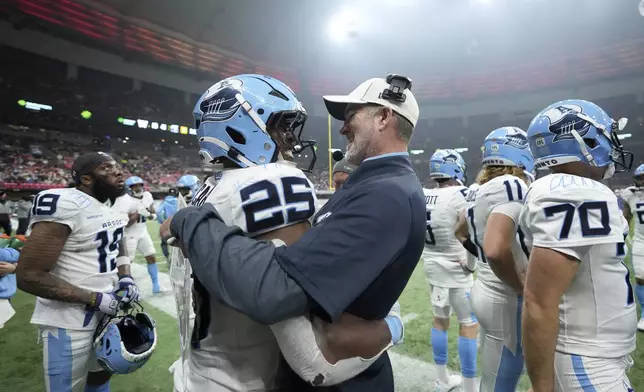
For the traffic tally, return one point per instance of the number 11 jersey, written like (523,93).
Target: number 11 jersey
(88,258)
(581,218)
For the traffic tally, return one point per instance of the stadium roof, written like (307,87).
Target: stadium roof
(453,50)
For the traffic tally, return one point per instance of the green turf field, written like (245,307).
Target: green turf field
(22,369)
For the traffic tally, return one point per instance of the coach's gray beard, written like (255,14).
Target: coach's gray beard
(356,151)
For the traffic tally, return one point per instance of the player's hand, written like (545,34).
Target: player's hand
(152,217)
(128,289)
(108,303)
(7,268)
(464,267)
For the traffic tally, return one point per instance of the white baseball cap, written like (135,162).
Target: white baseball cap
(370,92)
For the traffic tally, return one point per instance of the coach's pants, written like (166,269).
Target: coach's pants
(577,373)
(499,315)
(68,355)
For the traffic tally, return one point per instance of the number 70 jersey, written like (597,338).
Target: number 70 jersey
(262,198)
(581,218)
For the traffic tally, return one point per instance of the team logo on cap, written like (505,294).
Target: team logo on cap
(563,120)
(220,101)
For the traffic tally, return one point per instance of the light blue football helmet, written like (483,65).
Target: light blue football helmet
(638,176)
(188,185)
(250,120)
(508,146)
(578,131)
(123,344)
(134,180)
(448,164)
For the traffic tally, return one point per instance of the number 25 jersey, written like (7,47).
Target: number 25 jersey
(88,257)
(237,353)
(581,218)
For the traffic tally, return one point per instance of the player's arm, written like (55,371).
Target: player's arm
(324,354)
(38,257)
(628,214)
(463,235)
(123,260)
(500,232)
(550,272)
(331,268)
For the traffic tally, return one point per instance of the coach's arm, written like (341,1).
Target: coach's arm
(215,249)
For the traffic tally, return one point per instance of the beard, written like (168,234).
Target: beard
(103,190)
(357,149)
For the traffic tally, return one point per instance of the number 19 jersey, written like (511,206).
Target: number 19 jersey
(88,258)
(238,354)
(581,218)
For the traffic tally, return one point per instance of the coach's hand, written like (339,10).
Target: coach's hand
(164,231)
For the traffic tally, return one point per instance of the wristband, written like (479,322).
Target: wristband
(470,247)
(122,260)
(395,328)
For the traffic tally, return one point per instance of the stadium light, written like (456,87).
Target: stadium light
(343,25)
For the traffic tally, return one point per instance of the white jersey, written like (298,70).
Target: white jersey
(128,204)
(503,195)
(443,251)
(634,197)
(88,258)
(238,353)
(580,217)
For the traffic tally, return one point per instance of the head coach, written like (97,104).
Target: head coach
(363,244)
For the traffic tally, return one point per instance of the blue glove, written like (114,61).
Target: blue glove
(127,289)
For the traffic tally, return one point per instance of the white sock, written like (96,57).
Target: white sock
(441,370)
(469,385)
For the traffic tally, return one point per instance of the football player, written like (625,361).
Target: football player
(634,207)
(445,265)
(250,125)
(72,261)
(167,208)
(188,185)
(139,205)
(493,228)
(579,321)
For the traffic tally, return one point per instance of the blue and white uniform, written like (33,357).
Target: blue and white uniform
(88,261)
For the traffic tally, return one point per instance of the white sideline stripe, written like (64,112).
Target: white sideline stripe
(408,317)
(411,374)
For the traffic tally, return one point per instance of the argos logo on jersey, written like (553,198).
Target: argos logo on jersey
(115,223)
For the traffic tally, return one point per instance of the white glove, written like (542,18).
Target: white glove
(152,217)
(108,303)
